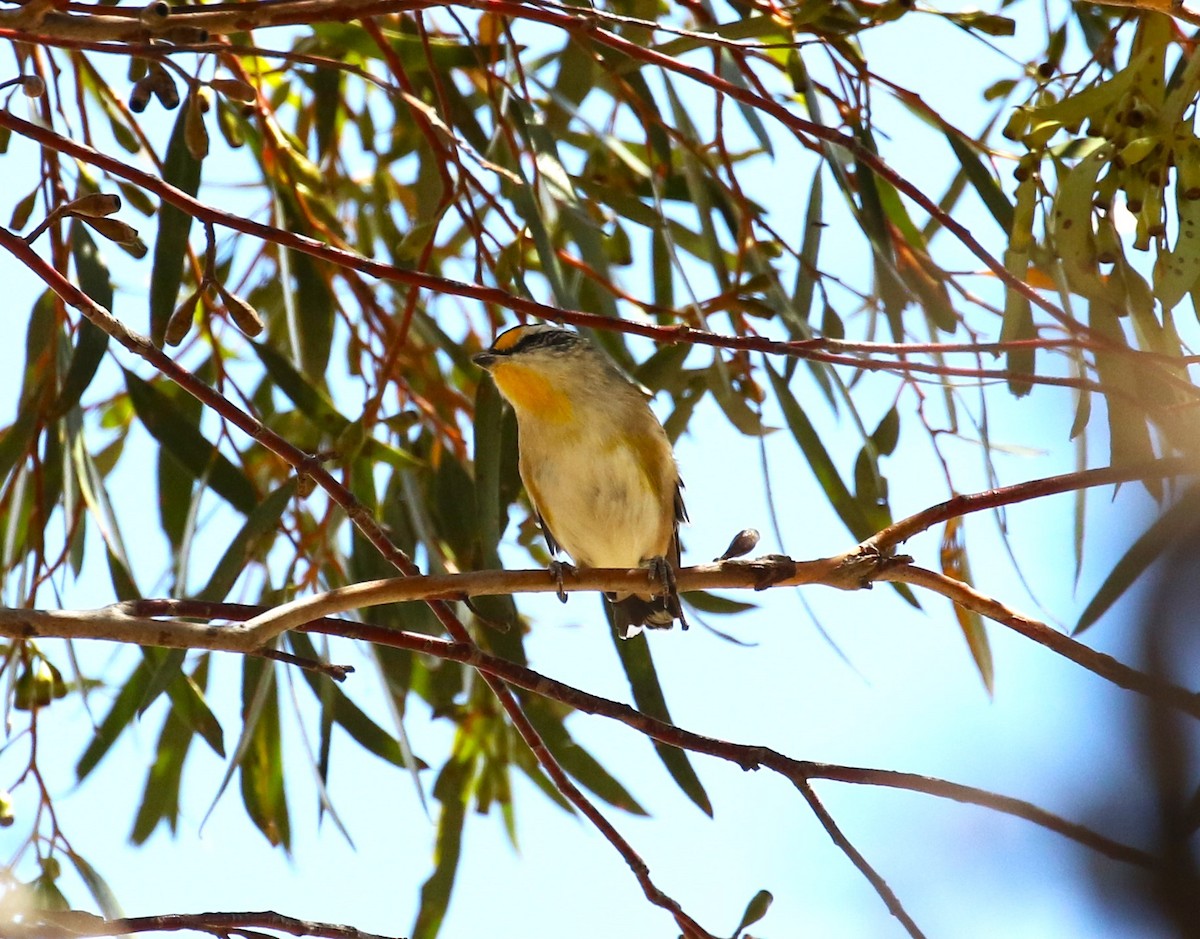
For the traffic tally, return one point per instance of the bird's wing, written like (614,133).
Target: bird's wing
(551,542)
(675,548)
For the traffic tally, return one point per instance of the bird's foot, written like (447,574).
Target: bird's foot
(662,574)
(558,569)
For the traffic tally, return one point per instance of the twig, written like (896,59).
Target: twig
(488,295)
(336,672)
(70,924)
(856,858)
(901,531)
(1098,663)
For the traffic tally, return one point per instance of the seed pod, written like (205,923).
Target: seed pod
(33,86)
(34,687)
(743,543)
(114,230)
(181,320)
(195,134)
(163,85)
(234,89)
(95,205)
(139,97)
(244,316)
(154,14)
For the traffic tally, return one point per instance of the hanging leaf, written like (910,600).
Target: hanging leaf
(648,695)
(182,170)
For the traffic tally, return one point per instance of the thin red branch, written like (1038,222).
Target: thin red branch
(895,907)
(961,505)
(68,924)
(747,756)
(1100,664)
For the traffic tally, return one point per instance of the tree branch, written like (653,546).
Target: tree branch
(747,756)
(71,924)
(895,907)
(901,531)
(1098,663)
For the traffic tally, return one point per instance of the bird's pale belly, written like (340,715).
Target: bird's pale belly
(603,512)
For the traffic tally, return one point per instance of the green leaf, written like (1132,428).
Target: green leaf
(261,757)
(980,22)
(166,665)
(120,715)
(311,401)
(1129,434)
(314,314)
(492,516)
(160,796)
(182,171)
(315,406)
(756,909)
(17,440)
(365,732)
(1149,547)
(92,341)
(887,434)
(848,509)
(798,312)
(984,182)
(451,791)
(182,440)
(576,760)
(97,886)
(648,695)
(956,565)
(707,602)
(242,549)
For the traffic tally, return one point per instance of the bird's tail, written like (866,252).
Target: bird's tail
(633,613)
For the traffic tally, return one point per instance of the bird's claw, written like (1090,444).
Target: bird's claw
(662,573)
(558,569)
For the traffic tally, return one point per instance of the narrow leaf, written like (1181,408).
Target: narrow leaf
(181,170)
(179,437)
(451,791)
(648,695)
(260,522)
(1153,543)
(119,716)
(819,461)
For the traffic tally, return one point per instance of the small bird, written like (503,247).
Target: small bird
(596,463)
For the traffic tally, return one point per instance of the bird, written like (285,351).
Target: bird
(596,463)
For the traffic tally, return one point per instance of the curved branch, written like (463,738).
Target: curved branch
(115,623)
(960,505)
(70,924)
(1098,663)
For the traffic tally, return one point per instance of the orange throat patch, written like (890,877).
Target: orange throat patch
(529,391)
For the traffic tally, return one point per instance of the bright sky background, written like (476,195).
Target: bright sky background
(912,700)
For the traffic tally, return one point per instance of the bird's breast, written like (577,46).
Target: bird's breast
(599,503)
(531,392)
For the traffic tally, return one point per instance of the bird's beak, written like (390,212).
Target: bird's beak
(484,360)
